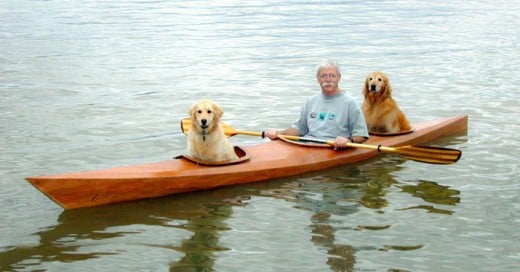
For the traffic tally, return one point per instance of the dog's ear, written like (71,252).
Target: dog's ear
(192,111)
(365,86)
(387,86)
(218,111)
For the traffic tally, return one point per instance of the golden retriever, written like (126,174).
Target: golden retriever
(206,139)
(382,114)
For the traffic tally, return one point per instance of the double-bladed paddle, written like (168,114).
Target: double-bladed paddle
(426,154)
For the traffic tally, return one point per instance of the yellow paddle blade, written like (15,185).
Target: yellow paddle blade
(185,125)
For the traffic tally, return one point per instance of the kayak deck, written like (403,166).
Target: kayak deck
(267,161)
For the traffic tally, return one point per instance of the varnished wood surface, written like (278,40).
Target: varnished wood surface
(267,161)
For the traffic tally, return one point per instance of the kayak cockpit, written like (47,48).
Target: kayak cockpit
(241,153)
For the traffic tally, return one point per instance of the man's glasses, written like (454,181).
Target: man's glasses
(332,76)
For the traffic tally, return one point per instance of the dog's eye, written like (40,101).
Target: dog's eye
(209,111)
(379,79)
(199,111)
(371,78)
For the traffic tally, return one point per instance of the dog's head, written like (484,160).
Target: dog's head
(377,84)
(205,114)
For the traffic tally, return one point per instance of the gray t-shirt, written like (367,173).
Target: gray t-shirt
(331,116)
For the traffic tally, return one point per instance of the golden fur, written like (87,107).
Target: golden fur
(381,112)
(206,139)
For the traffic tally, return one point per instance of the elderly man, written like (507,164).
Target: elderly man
(332,114)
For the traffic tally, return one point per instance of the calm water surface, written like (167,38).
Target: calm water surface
(90,85)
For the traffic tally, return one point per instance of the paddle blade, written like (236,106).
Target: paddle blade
(186,125)
(430,154)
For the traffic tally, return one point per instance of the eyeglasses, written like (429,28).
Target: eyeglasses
(332,76)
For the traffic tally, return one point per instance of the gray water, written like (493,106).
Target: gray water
(96,84)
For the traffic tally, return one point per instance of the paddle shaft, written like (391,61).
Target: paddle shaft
(437,155)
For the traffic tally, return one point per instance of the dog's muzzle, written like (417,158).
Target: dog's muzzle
(204,123)
(373,88)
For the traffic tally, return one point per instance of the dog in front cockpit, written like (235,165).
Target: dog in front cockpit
(206,139)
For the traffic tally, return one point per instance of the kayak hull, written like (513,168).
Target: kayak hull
(268,160)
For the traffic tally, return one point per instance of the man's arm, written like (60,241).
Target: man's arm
(273,134)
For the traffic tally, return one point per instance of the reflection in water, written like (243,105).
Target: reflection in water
(330,196)
(202,214)
(341,256)
(326,196)
(199,249)
(59,243)
(377,179)
(341,192)
(335,193)
(433,193)
(345,190)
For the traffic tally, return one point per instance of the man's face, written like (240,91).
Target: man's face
(328,78)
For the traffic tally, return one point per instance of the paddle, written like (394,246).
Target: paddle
(426,154)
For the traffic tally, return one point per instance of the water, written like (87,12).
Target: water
(91,85)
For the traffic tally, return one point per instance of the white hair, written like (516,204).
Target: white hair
(329,63)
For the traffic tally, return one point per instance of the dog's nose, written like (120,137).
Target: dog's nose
(373,87)
(203,121)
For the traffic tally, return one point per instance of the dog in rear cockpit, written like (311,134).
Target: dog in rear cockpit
(382,114)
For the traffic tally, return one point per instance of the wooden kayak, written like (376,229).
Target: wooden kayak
(265,161)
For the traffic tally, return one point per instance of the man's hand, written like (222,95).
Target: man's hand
(341,142)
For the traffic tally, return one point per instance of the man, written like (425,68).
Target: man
(332,114)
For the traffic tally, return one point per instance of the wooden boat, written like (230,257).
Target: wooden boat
(265,161)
